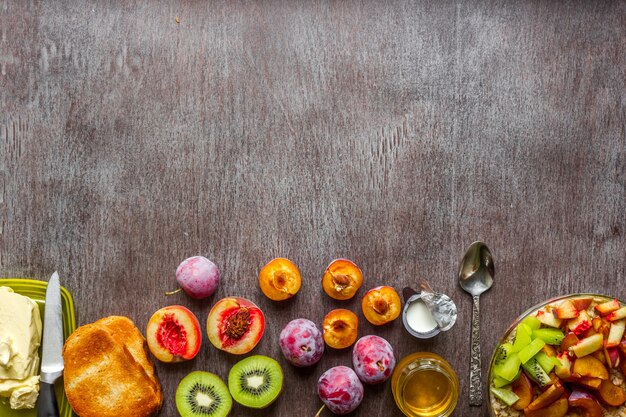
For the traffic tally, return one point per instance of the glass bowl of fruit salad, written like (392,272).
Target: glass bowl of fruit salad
(563,357)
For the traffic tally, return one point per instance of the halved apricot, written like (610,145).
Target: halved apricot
(381,305)
(340,328)
(280,279)
(342,279)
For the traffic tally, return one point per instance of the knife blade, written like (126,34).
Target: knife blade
(51,357)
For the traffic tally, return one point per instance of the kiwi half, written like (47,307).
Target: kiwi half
(203,394)
(256,381)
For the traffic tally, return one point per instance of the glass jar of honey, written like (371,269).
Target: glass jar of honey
(425,385)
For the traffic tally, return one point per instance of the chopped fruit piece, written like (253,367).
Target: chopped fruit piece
(381,305)
(173,334)
(566,310)
(342,279)
(532,322)
(599,355)
(546,362)
(549,350)
(523,337)
(536,372)
(617,314)
(587,345)
(280,279)
(580,324)
(612,357)
(608,307)
(570,340)
(616,333)
(622,348)
(582,303)
(593,383)
(235,325)
(531,350)
(523,388)
(556,409)
(589,366)
(563,369)
(548,319)
(596,323)
(550,336)
(585,403)
(611,394)
(547,397)
(499,382)
(506,395)
(509,369)
(502,353)
(340,328)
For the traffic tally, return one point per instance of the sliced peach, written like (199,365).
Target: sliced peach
(582,303)
(617,314)
(280,279)
(593,383)
(340,328)
(587,345)
(547,397)
(523,388)
(173,334)
(342,279)
(599,355)
(548,318)
(615,333)
(549,350)
(556,409)
(570,340)
(564,368)
(381,305)
(589,366)
(611,394)
(235,325)
(566,310)
(585,402)
(608,307)
(579,324)
(612,357)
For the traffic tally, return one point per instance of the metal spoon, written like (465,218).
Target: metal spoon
(475,277)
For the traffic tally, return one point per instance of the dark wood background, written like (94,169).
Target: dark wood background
(390,133)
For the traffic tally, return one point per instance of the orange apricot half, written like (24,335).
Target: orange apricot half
(342,279)
(340,328)
(381,305)
(280,279)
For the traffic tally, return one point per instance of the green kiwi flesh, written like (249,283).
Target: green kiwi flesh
(203,394)
(256,381)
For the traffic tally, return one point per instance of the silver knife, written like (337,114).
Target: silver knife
(51,358)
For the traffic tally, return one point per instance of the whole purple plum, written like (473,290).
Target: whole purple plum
(340,389)
(373,359)
(198,276)
(302,342)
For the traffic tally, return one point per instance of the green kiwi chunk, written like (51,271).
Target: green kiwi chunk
(256,381)
(203,394)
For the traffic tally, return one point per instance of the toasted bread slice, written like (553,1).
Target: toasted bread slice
(123,330)
(102,378)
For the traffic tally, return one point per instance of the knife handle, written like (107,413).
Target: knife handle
(47,403)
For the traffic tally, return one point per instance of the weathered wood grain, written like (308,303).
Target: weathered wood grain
(391,133)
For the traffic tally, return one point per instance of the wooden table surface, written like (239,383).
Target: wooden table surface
(136,134)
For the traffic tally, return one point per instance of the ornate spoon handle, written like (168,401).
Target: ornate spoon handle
(475,388)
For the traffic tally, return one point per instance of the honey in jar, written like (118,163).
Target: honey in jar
(425,385)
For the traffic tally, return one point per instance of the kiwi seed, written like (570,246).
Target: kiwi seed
(256,381)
